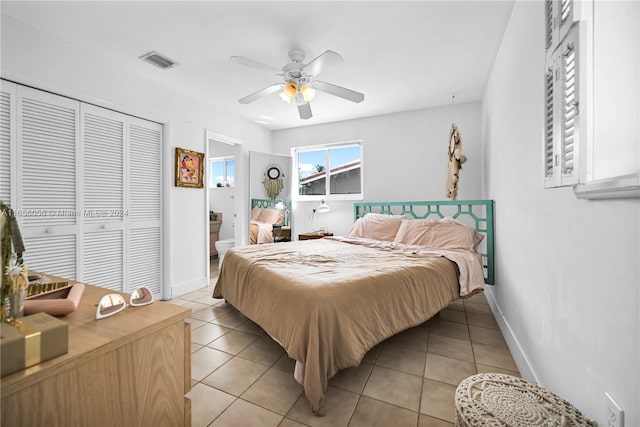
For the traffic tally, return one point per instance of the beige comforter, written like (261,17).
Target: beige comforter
(327,301)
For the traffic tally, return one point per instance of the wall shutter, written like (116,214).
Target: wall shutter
(559,18)
(103,243)
(145,266)
(47,167)
(54,255)
(47,171)
(103,255)
(550,27)
(561,132)
(569,112)
(7,94)
(566,17)
(549,155)
(144,205)
(144,172)
(103,147)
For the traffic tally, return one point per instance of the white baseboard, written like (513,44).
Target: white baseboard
(519,356)
(190,286)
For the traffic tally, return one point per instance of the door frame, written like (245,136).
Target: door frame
(237,144)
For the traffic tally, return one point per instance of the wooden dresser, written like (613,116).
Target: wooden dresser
(130,369)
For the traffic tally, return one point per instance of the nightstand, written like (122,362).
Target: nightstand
(281,234)
(313,235)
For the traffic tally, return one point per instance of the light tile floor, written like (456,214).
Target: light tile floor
(241,377)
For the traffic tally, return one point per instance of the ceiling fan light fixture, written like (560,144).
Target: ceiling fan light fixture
(299,81)
(307,92)
(289,92)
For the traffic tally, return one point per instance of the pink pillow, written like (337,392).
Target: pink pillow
(377,227)
(270,216)
(414,231)
(255,213)
(435,234)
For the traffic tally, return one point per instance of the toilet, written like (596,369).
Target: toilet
(222,246)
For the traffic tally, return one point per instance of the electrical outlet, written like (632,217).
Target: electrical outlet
(614,416)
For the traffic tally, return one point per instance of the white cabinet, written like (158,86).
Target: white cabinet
(85,183)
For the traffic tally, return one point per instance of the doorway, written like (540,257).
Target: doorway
(222,188)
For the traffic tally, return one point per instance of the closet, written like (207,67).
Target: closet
(85,185)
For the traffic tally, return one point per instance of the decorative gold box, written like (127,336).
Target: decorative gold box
(31,340)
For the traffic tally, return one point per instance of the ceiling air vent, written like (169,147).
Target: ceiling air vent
(158,60)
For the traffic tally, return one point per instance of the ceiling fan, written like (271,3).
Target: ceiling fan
(299,80)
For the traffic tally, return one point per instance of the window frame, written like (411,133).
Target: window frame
(296,196)
(223,160)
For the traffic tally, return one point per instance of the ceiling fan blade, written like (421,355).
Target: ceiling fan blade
(326,59)
(262,92)
(342,92)
(304,108)
(255,64)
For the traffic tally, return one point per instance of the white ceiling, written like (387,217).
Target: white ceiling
(401,55)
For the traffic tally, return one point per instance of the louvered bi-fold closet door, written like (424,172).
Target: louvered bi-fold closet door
(7,129)
(47,169)
(103,183)
(144,257)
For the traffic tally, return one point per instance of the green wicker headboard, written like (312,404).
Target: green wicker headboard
(473,213)
(271,203)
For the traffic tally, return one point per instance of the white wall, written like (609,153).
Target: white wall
(258,164)
(30,57)
(567,269)
(404,159)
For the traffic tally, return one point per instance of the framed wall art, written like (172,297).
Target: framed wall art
(189,168)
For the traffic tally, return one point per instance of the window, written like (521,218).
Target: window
(592,98)
(222,172)
(341,163)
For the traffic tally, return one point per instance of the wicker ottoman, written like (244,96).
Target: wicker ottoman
(504,400)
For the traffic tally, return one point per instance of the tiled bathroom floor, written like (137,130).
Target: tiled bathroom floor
(242,377)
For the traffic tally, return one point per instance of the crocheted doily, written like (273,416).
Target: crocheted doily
(503,400)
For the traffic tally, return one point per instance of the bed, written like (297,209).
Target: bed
(328,301)
(268,217)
